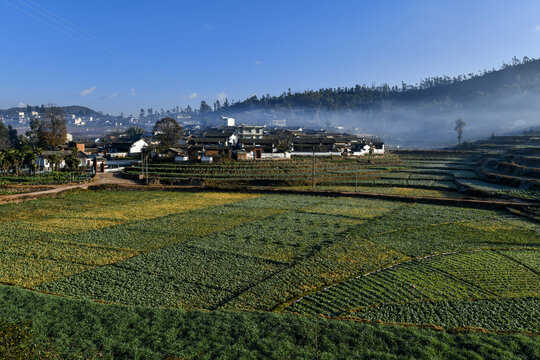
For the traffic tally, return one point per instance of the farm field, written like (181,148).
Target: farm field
(343,257)
(392,190)
(120,332)
(378,171)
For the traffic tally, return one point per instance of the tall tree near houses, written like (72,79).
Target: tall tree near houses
(55,160)
(52,130)
(204,108)
(15,158)
(135,133)
(13,136)
(460,124)
(168,132)
(29,158)
(72,161)
(4,161)
(32,134)
(4,136)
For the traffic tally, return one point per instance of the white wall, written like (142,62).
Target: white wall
(137,146)
(310,153)
(285,155)
(181,158)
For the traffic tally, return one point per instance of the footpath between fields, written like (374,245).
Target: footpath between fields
(111,182)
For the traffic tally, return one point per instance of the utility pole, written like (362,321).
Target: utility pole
(142,164)
(313,170)
(356,179)
(147,155)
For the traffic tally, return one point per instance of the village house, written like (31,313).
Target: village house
(126,148)
(249,132)
(223,136)
(43,164)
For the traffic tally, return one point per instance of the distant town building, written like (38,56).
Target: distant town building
(279,123)
(227,121)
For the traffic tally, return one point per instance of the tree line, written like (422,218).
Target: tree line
(523,73)
(48,133)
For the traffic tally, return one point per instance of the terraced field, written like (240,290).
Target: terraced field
(408,174)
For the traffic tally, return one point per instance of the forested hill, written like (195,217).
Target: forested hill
(74,109)
(518,77)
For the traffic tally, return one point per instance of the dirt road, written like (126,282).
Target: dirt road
(105,178)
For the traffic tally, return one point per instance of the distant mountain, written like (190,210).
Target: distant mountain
(68,110)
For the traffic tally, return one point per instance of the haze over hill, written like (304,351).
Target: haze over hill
(502,101)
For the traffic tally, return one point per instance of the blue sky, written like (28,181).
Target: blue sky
(118,56)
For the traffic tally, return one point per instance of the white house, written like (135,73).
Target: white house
(361,151)
(227,121)
(365,149)
(43,163)
(137,147)
(378,148)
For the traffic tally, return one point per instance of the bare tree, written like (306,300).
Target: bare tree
(52,130)
(460,124)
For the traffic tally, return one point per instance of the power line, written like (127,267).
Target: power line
(66,28)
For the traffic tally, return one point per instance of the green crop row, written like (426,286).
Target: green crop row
(179,276)
(480,274)
(492,272)
(506,314)
(77,329)
(408,282)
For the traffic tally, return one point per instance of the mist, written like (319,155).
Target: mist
(415,124)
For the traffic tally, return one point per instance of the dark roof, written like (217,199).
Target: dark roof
(217,147)
(60,152)
(218,133)
(268,141)
(313,140)
(211,140)
(177,151)
(120,146)
(65,153)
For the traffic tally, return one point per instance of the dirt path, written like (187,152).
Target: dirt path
(105,178)
(127,184)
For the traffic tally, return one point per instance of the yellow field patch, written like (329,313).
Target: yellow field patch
(351,207)
(76,253)
(66,226)
(71,215)
(161,206)
(27,272)
(490,225)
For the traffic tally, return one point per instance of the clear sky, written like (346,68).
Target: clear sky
(119,55)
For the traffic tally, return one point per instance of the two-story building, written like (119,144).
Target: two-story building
(249,132)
